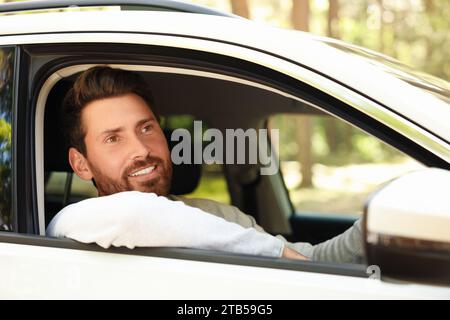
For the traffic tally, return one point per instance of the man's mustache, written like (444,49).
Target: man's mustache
(141,164)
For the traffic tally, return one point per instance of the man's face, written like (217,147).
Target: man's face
(126,148)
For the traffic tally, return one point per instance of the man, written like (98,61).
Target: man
(111,125)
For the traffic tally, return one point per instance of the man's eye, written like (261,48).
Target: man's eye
(147,128)
(112,139)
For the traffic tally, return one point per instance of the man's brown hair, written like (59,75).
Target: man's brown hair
(93,84)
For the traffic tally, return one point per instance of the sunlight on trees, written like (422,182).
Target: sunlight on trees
(417,32)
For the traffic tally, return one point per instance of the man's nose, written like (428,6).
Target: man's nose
(138,149)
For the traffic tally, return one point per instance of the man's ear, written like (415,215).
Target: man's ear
(79,164)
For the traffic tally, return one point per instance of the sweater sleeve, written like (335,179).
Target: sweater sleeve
(136,219)
(344,248)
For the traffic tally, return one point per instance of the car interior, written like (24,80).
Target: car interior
(220,103)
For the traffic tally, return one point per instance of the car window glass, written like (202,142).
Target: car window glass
(331,167)
(6,101)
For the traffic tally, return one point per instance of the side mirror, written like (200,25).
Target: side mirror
(407,227)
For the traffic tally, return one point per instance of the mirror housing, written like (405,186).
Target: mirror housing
(407,227)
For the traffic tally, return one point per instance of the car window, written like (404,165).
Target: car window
(6,102)
(331,167)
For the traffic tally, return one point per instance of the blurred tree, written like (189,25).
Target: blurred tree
(300,21)
(380,25)
(429,9)
(241,8)
(333,19)
(332,31)
(300,14)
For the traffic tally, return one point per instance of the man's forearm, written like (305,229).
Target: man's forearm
(141,219)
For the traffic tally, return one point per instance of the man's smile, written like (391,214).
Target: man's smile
(144,171)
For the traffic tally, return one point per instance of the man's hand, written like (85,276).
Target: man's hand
(291,254)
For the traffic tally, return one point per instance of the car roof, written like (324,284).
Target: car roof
(304,49)
(146,5)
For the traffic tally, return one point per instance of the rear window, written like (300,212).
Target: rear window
(6,103)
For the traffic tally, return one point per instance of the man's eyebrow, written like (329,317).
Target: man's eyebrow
(119,129)
(141,122)
(110,131)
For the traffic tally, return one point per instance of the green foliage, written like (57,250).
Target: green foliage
(5,135)
(410,31)
(352,145)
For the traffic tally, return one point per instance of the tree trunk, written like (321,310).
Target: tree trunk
(300,14)
(347,137)
(240,8)
(429,9)
(304,135)
(333,19)
(332,31)
(331,133)
(300,21)
(381,30)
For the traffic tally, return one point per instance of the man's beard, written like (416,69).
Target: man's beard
(159,184)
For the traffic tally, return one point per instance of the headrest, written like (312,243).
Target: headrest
(185,177)
(55,151)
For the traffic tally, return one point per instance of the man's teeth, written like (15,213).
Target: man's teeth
(143,171)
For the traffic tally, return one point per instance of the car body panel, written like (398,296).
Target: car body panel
(62,273)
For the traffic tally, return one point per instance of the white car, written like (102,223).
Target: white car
(231,73)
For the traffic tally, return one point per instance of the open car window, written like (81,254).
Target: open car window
(331,167)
